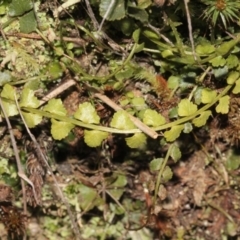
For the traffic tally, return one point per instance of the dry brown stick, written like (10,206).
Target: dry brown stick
(147,130)
(64,6)
(40,153)
(21,173)
(38,37)
(190,28)
(57,91)
(91,15)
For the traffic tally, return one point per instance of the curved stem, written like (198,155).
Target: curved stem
(130,131)
(161,172)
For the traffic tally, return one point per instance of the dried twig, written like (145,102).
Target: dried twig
(110,8)
(77,41)
(57,91)
(21,173)
(43,158)
(190,28)
(64,6)
(136,121)
(91,15)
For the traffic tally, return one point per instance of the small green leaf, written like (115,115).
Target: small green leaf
(28,23)
(218,61)
(87,113)
(4,166)
(173,82)
(32,119)
(138,103)
(153,118)
(226,47)
(5,77)
(186,108)
(124,73)
(233,161)
(121,121)
(19,7)
(28,99)
(205,49)
(116,12)
(220,72)
(198,95)
(223,106)
(167,174)
(232,77)
(127,26)
(138,140)
(232,61)
(144,3)
(187,127)
(55,70)
(88,198)
(139,47)
(10,108)
(116,193)
(237,87)
(60,130)
(116,189)
(94,138)
(173,133)
(55,106)
(136,35)
(138,14)
(175,153)
(167,53)
(8,92)
(202,119)
(208,95)
(156,164)
(121,181)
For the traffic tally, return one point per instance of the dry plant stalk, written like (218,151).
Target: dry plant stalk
(147,130)
(45,161)
(21,173)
